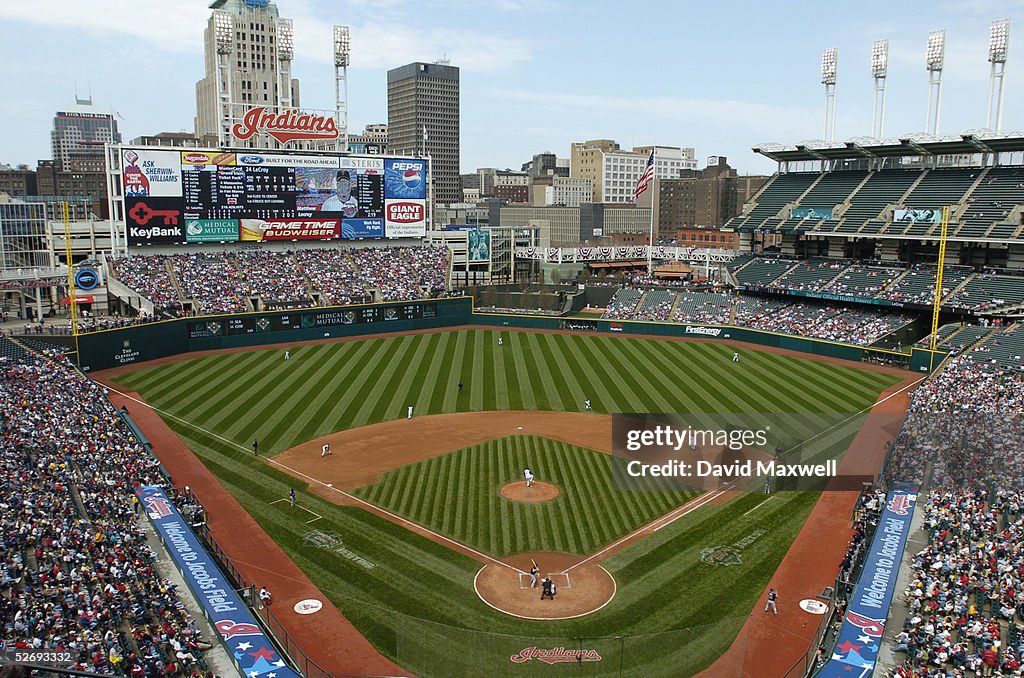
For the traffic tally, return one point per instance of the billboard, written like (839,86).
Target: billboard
(267,230)
(211,230)
(366,196)
(815,213)
(479,245)
(933,216)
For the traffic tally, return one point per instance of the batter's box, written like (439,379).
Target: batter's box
(561,580)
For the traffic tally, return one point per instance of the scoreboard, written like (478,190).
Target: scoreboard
(254,324)
(195,196)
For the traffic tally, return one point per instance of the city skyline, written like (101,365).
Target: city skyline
(536,75)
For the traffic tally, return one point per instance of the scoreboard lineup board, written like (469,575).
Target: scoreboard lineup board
(196,196)
(253,324)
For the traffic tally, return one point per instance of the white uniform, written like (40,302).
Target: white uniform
(528,474)
(410,412)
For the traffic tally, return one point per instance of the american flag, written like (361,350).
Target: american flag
(645,179)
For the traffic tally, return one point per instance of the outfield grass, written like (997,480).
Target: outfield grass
(418,605)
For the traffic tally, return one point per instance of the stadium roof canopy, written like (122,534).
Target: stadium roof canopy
(918,144)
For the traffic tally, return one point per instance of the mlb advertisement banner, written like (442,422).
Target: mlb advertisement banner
(355,229)
(151,173)
(814,213)
(254,653)
(265,230)
(405,192)
(479,245)
(211,230)
(913,216)
(154,221)
(861,635)
(370,197)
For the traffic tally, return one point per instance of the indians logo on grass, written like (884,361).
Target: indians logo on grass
(721,555)
(556,655)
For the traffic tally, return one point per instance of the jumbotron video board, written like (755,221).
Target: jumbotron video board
(195,196)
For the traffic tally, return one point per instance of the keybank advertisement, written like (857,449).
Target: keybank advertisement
(857,646)
(253,652)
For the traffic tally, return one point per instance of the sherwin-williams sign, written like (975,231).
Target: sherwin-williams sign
(211,230)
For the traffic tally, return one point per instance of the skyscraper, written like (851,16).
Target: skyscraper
(425,98)
(78,135)
(258,57)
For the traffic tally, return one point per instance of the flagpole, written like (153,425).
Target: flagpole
(650,240)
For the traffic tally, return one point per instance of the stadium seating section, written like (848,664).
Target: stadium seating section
(985,202)
(239,281)
(76,572)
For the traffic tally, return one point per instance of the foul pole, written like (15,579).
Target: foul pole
(937,301)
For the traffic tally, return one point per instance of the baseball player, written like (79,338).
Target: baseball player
(528,474)
(291,497)
(410,412)
(287,355)
(500,341)
(534,571)
(255,447)
(735,357)
(587,405)
(325,450)
(772,597)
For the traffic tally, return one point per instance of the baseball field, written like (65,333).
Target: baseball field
(683,580)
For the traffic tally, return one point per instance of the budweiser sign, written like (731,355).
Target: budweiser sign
(286,126)
(556,655)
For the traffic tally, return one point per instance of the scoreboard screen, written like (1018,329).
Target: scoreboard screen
(193,196)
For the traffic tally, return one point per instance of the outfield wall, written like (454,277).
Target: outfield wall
(916,360)
(139,343)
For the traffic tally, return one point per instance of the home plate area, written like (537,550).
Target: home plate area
(580,589)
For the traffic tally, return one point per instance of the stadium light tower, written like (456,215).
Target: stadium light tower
(342,50)
(224,34)
(998,41)
(935,55)
(879,68)
(829,67)
(285,53)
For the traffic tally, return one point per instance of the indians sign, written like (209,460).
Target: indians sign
(288,125)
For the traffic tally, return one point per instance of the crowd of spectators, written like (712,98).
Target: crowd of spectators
(274,277)
(76,574)
(222,282)
(209,280)
(964,599)
(149,276)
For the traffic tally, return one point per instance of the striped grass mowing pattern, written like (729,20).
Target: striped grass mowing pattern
(675,613)
(458,494)
(331,387)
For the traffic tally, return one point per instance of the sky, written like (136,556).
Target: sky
(536,75)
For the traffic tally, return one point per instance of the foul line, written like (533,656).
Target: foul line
(316,481)
(663,521)
(759,505)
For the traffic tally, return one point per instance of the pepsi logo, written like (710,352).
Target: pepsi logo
(412,178)
(251,159)
(405,212)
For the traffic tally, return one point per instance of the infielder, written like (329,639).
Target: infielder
(410,412)
(528,474)
(325,450)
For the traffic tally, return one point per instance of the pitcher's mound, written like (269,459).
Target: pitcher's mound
(537,492)
(578,590)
